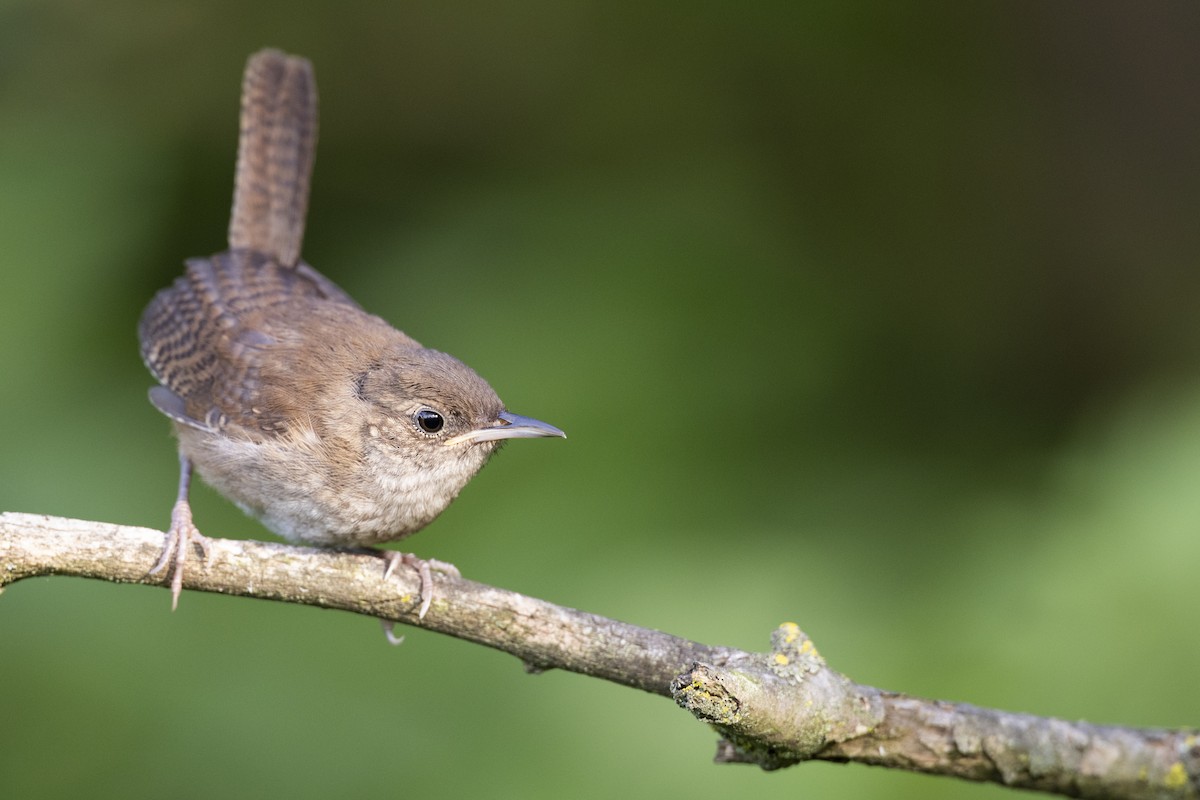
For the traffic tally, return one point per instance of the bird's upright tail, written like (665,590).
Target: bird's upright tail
(275,156)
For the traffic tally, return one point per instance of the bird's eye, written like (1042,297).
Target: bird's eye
(429,420)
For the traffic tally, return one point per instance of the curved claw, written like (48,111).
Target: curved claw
(389,630)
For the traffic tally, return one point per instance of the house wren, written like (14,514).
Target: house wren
(327,424)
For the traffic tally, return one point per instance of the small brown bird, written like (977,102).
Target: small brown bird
(327,424)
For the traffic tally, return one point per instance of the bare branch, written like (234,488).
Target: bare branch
(773,709)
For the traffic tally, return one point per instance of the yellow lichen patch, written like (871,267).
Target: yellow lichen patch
(1176,776)
(781,659)
(791,632)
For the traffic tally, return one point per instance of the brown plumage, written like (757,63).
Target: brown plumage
(276,145)
(318,418)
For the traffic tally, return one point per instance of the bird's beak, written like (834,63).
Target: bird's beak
(509,426)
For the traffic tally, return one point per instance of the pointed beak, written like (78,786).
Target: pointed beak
(509,426)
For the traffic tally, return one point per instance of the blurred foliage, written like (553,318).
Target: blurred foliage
(880,318)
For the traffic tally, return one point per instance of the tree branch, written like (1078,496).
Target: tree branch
(773,709)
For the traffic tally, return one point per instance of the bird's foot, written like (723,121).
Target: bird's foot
(424,568)
(180,537)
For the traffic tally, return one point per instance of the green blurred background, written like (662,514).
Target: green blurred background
(879,318)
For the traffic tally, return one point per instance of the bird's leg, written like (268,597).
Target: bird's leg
(423,566)
(181,535)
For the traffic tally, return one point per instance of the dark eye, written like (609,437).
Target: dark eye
(429,420)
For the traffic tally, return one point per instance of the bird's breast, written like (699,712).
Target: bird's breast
(303,492)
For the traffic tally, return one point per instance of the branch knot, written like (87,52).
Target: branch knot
(781,707)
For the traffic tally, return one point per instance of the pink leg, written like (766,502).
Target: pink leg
(181,534)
